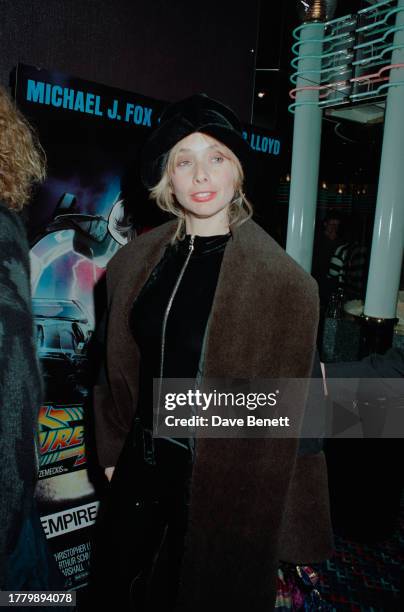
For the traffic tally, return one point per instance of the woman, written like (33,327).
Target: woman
(209,294)
(25,562)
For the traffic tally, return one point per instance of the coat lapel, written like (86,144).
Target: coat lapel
(261,293)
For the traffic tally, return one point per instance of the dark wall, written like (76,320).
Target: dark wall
(166,49)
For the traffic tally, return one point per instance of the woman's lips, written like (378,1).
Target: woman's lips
(203,196)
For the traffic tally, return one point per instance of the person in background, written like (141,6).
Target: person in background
(324,248)
(325,244)
(25,562)
(349,263)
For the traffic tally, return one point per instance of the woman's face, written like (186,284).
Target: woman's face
(203,177)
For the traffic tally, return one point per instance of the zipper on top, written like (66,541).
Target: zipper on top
(167,312)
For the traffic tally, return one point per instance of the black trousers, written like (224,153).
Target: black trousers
(137,554)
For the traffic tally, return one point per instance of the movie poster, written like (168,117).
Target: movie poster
(91,204)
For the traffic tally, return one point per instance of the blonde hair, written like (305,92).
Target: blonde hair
(240,209)
(22,159)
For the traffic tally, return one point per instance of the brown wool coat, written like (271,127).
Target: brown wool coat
(253,502)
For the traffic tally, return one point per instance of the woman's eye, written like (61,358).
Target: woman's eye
(183,162)
(217,159)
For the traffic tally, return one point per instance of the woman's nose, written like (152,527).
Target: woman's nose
(201,174)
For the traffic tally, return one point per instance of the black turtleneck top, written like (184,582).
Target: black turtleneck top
(187,318)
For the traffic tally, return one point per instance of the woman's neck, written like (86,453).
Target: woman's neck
(210,226)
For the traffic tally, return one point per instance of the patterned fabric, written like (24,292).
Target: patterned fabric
(297,589)
(20,386)
(365,575)
(348,269)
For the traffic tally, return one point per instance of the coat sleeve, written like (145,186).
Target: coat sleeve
(20,383)
(109,431)
(110,427)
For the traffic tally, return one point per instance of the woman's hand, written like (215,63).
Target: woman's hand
(109,472)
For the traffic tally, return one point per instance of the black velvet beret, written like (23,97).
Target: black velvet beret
(199,113)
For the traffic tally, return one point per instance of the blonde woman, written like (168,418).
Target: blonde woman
(196,525)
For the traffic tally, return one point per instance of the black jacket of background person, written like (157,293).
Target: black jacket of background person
(20,385)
